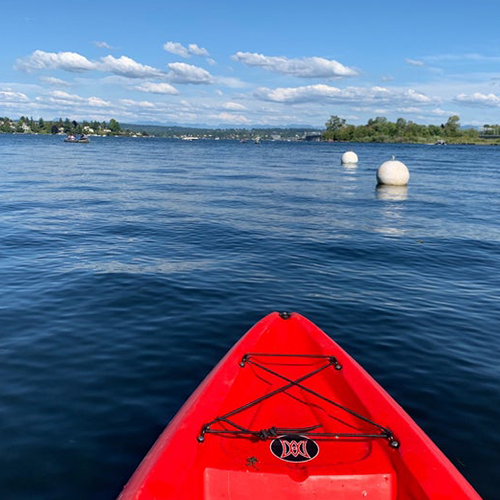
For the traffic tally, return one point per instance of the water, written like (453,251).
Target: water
(128,267)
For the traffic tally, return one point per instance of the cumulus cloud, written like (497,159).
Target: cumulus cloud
(197,51)
(179,49)
(65,99)
(231,118)
(187,73)
(67,61)
(293,95)
(97,102)
(415,62)
(233,106)
(10,96)
(51,80)
(157,88)
(478,99)
(414,96)
(125,66)
(442,112)
(306,67)
(231,81)
(73,62)
(327,93)
(102,45)
(138,104)
(176,48)
(474,57)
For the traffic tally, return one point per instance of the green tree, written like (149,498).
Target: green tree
(333,127)
(452,126)
(114,126)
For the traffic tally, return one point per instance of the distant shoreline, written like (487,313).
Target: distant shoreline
(481,142)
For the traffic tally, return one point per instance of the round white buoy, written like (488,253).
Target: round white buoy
(349,157)
(393,173)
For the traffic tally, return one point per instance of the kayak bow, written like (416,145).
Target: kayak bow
(287,413)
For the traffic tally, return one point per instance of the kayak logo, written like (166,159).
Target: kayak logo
(294,448)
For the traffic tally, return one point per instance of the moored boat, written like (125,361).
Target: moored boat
(288,413)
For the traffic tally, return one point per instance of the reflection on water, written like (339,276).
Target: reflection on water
(350,166)
(392,193)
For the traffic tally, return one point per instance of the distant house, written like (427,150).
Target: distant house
(313,137)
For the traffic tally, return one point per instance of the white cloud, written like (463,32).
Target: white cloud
(308,93)
(176,48)
(197,51)
(68,61)
(64,96)
(65,99)
(50,80)
(462,57)
(71,61)
(415,62)
(179,49)
(442,112)
(187,73)
(231,118)
(232,82)
(306,67)
(409,109)
(487,100)
(157,88)
(10,96)
(233,106)
(414,96)
(139,104)
(326,93)
(102,45)
(125,66)
(97,102)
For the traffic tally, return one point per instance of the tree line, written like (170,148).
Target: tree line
(27,125)
(380,129)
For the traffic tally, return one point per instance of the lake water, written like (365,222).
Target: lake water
(128,267)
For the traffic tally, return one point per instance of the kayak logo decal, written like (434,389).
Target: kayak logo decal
(294,448)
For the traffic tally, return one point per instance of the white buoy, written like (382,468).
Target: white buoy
(350,157)
(393,173)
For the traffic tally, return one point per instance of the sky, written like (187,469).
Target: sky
(243,64)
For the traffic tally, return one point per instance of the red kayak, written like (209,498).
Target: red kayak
(287,414)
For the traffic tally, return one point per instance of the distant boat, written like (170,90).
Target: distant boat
(256,140)
(440,142)
(71,138)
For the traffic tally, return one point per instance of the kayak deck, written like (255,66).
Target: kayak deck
(347,453)
(288,414)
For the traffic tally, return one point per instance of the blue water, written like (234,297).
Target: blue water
(128,267)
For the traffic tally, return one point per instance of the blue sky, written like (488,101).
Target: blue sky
(242,64)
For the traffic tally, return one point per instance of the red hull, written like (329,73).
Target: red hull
(327,430)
